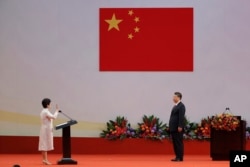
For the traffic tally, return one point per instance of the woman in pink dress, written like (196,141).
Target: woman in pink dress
(46,131)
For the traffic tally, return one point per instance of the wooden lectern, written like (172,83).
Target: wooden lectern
(66,144)
(222,142)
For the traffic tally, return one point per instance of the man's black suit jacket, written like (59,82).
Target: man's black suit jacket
(177,117)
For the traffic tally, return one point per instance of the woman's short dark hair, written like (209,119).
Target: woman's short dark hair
(178,94)
(46,102)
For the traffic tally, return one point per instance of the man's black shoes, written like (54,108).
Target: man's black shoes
(177,159)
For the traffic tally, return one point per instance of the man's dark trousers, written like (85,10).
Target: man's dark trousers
(177,138)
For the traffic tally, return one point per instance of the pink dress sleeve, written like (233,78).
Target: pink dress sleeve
(52,116)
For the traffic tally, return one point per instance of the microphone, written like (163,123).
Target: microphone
(65,115)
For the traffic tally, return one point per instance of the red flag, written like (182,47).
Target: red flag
(146,39)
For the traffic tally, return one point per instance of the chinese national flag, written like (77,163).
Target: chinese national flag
(146,39)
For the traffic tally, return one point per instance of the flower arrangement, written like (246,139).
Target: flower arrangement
(131,133)
(116,129)
(152,128)
(225,121)
(203,129)
(189,130)
(248,133)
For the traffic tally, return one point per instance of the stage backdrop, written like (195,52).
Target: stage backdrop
(50,48)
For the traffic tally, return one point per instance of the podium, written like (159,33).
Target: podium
(222,142)
(66,144)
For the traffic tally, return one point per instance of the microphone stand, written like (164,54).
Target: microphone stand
(71,120)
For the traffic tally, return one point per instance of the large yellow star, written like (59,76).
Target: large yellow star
(113,23)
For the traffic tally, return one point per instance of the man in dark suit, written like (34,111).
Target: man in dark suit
(176,126)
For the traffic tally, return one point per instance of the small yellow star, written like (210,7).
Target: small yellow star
(137,19)
(130,12)
(137,29)
(113,23)
(130,36)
